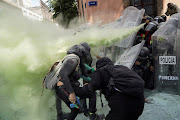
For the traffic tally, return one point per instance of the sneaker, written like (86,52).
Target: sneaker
(96,117)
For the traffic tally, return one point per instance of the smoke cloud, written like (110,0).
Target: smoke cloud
(27,51)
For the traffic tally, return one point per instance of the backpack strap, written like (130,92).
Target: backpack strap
(111,84)
(55,64)
(71,55)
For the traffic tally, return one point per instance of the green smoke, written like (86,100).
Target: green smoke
(27,50)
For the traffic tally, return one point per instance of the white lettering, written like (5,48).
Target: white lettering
(171,60)
(168,78)
(92,3)
(129,23)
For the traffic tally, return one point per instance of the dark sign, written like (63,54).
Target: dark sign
(93,3)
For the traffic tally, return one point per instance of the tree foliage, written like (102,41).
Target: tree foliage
(66,8)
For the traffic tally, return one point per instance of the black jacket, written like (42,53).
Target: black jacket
(125,79)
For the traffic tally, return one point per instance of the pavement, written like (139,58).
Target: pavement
(160,106)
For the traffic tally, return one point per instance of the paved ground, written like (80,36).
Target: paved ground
(161,106)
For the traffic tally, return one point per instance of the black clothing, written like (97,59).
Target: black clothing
(129,82)
(124,107)
(126,80)
(149,79)
(81,92)
(70,75)
(130,101)
(145,67)
(103,62)
(140,69)
(59,108)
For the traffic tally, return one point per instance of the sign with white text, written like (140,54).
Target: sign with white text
(168,77)
(167,60)
(93,3)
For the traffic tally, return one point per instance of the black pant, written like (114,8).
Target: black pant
(124,107)
(59,108)
(81,92)
(84,105)
(149,79)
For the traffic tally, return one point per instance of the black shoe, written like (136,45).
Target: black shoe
(65,115)
(96,117)
(86,114)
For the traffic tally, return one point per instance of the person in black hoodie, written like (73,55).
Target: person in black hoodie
(68,83)
(123,89)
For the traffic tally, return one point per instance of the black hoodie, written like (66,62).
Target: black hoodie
(127,81)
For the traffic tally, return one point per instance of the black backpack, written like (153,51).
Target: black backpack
(125,80)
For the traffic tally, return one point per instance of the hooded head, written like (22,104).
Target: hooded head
(170,5)
(86,52)
(103,62)
(83,51)
(86,46)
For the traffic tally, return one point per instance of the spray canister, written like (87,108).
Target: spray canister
(77,104)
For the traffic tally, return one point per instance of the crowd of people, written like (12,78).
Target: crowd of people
(144,65)
(122,87)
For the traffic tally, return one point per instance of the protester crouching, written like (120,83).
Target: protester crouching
(123,89)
